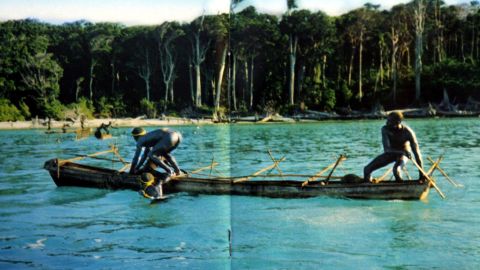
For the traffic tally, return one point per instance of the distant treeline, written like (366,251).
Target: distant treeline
(242,62)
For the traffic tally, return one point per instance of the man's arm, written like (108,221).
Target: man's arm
(144,157)
(415,147)
(135,159)
(416,151)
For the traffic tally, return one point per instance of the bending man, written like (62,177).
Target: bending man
(397,138)
(157,144)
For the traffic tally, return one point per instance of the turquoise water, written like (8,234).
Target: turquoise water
(45,227)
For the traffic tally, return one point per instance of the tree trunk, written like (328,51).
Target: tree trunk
(171,90)
(394,38)
(360,58)
(324,67)
(300,76)
(350,66)
(317,73)
(419,27)
(473,40)
(229,82)
(145,73)
(251,82)
(198,91)
(112,65)
(90,82)
(220,78)
(293,57)
(190,77)
(234,79)
(245,88)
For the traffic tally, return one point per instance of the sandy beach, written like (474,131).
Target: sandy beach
(94,123)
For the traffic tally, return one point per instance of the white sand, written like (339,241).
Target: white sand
(94,123)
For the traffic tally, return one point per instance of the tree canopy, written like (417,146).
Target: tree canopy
(243,62)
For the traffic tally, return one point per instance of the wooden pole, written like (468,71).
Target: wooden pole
(91,155)
(211,165)
(204,168)
(434,166)
(260,171)
(380,179)
(432,182)
(445,174)
(126,166)
(318,174)
(274,161)
(117,154)
(339,160)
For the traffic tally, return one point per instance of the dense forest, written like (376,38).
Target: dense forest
(242,62)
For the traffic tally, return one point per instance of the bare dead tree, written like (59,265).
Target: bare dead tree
(144,72)
(167,59)
(199,50)
(419,19)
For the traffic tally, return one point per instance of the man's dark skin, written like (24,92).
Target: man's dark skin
(397,138)
(157,144)
(105,127)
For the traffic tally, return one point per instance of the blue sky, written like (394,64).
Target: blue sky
(147,12)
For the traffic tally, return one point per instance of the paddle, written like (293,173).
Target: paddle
(432,182)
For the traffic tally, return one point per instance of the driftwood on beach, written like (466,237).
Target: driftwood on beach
(443,109)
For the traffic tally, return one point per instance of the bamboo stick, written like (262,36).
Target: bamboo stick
(339,160)
(445,174)
(434,166)
(432,182)
(387,172)
(117,154)
(274,160)
(91,155)
(276,176)
(126,166)
(204,168)
(260,171)
(318,174)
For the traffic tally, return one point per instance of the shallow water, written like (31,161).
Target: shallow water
(45,227)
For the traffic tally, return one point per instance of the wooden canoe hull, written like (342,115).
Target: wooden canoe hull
(74,174)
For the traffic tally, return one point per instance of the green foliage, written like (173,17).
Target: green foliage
(345,94)
(148,108)
(54,109)
(104,108)
(24,109)
(118,107)
(82,107)
(329,99)
(8,111)
(456,77)
(43,66)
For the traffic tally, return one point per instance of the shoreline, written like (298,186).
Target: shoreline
(94,123)
(176,121)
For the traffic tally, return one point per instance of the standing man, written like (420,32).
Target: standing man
(397,140)
(157,144)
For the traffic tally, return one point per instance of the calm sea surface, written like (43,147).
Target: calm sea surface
(45,227)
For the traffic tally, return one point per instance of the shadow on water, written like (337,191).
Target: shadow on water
(68,195)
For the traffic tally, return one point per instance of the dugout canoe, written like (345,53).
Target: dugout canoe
(65,173)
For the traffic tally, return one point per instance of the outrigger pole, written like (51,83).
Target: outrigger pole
(432,182)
